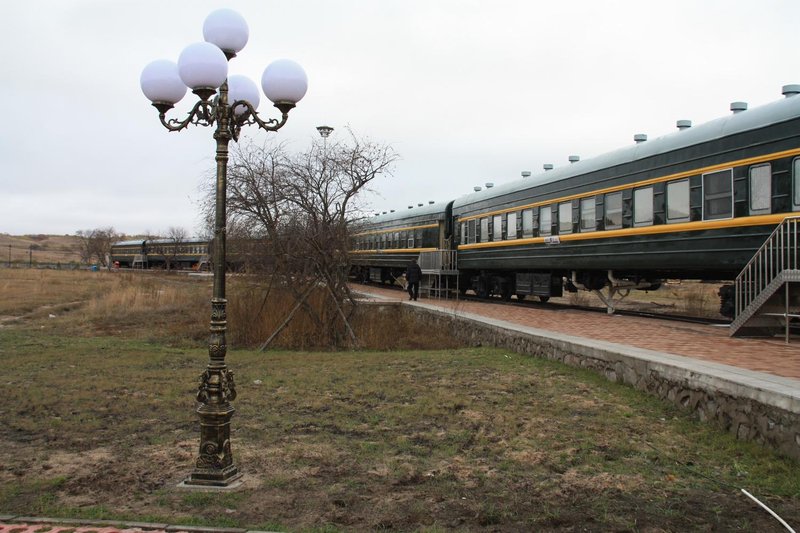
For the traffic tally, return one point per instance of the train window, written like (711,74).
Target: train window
(497,227)
(545,220)
(485,229)
(760,189)
(613,210)
(678,201)
(643,206)
(463,233)
(410,240)
(796,179)
(527,223)
(588,214)
(718,195)
(565,217)
(472,231)
(511,225)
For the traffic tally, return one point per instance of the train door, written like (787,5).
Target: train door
(446,229)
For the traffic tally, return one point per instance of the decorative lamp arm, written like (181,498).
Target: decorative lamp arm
(201,115)
(251,117)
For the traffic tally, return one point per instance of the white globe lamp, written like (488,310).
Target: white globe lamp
(242,88)
(161,83)
(203,68)
(284,82)
(227,29)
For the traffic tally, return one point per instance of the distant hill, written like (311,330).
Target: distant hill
(39,249)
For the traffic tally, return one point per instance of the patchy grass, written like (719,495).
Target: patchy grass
(99,423)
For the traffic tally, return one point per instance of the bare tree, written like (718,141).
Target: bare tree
(303,205)
(96,244)
(176,237)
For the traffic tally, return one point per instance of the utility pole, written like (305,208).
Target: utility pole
(30,256)
(9,256)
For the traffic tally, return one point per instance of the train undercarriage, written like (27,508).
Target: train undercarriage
(608,287)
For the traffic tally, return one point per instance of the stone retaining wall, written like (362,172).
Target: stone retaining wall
(769,419)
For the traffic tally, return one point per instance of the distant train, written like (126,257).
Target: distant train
(694,204)
(161,254)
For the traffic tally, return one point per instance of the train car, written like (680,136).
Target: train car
(383,246)
(693,204)
(161,253)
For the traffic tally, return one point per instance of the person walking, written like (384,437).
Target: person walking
(413,275)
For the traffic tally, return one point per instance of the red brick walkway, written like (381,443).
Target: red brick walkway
(709,343)
(55,525)
(49,528)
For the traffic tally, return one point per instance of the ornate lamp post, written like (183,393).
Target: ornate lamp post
(203,67)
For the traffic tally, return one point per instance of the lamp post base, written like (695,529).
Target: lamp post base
(229,478)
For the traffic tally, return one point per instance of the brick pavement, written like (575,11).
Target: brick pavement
(704,342)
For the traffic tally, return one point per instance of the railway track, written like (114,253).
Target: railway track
(560,305)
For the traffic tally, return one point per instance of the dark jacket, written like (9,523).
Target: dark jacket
(413,273)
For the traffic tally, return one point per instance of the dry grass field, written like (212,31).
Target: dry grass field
(50,249)
(100,371)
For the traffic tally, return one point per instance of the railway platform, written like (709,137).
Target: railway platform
(697,341)
(749,385)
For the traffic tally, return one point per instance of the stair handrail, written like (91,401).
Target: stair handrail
(778,253)
(438,260)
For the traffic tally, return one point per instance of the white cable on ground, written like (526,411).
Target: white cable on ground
(770,511)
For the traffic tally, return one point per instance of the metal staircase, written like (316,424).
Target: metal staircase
(762,308)
(440,273)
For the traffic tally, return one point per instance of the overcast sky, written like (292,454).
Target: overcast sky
(465,91)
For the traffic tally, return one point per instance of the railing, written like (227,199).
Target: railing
(438,260)
(777,254)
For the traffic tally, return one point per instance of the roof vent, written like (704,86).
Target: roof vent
(738,107)
(476,189)
(391,211)
(640,138)
(790,90)
(548,166)
(574,158)
(384,212)
(411,207)
(419,205)
(683,124)
(377,214)
(431,202)
(489,184)
(526,173)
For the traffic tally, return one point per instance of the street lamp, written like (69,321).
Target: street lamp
(324,131)
(203,67)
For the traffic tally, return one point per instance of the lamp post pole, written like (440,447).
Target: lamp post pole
(203,67)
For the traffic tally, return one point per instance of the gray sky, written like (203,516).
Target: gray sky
(466,91)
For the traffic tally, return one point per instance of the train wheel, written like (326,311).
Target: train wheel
(520,297)
(544,299)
